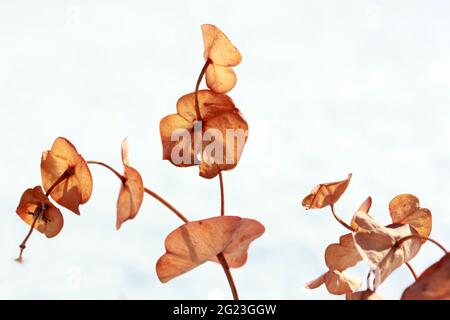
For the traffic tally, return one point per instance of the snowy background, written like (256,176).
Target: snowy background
(327,87)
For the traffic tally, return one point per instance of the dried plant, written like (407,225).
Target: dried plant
(383,248)
(209,131)
(204,120)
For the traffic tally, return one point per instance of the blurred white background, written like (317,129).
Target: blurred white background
(327,87)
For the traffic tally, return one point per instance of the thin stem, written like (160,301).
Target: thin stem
(226,268)
(345,225)
(416,236)
(64,176)
(167,204)
(121,177)
(22,246)
(220,256)
(197,85)
(222,195)
(412,270)
(40,210)
(146,190)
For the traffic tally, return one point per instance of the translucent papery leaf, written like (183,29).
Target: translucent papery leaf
(405,209)
(218,48)
(326,194)
(131,192)
(378,245)
(34,202)
(77,188)
(336,282)
(432,284)
(197,242)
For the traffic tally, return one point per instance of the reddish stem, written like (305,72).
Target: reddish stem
(412,270)
(222,195)
(40,210)
(226,269)
(197,85)
(416,236)
(116,173)
(345,225)
(220,256)
(167,204)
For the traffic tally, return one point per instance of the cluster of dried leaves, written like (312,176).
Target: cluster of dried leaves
(196,242)
(384,248)
(67,180)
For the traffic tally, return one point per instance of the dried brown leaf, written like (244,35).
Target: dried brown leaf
(377,245)
(34,202)
(218,48)
(197,242)
(220,116)
(131,192)
(432,284)
(336,282)
(405,209)
(326,194)
(77,188)
(342,255)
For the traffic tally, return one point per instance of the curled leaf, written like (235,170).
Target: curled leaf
(215,143)
(342,255)
(336,282)
(35,205)
(364,208)
(378,245)
(364,295)
(222,55)
(197,242)
(405,209)
(220,79)
(326,194)
(131,192)
(63,159)
(432,284)
(218,48)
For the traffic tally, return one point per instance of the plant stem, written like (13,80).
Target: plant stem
(40,210)
(121,177)
(220,256)
(22,246)
(146,190)
(197,85)
(416,236)
(226,268)
(167,204)
(412,270)
(64,176)
(222,195)
(345,225)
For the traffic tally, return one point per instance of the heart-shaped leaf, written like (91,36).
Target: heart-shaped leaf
(342,255)
(35,205)
(405,209)
(76,189)
(218,48)
(197,242)
(222,135)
